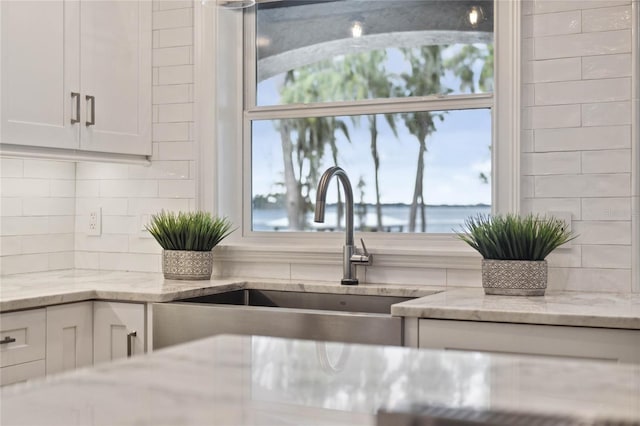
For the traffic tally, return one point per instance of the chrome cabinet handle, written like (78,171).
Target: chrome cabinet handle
(7,339)
(92,102)
(130,338)
(76,119)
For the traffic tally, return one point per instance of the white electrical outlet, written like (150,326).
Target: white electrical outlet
(95,222)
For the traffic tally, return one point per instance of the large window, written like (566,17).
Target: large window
(398,93)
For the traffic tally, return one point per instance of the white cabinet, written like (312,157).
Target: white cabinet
(616,345)
(22,345)
(82,80)
(118,330)
(69,336)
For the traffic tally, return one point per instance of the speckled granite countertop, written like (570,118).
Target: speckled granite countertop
(608,310)
(22,291)
(234,380)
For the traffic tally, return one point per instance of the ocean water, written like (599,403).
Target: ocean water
(440,219)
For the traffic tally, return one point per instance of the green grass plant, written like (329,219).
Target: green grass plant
(513,237)
(195,231)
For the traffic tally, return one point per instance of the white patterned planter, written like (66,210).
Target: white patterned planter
(514,277)
(187,265)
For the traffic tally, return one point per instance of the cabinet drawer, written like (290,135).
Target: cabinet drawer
(23,337)
(22,372)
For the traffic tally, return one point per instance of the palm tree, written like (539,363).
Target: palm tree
(424,79)
(307,84)
(366,77)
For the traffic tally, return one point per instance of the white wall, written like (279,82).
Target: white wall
(576,140)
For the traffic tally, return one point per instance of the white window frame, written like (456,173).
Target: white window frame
(220,129)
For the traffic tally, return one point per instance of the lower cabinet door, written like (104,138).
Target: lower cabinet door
(69,336)
(22,372)
(118,330)
(603,344)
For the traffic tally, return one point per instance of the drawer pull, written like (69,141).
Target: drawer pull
(92,101)
(130,338)
(76,119)
(6,340)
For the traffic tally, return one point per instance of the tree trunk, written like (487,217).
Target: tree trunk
(295,206)
(373,126)
(417,191)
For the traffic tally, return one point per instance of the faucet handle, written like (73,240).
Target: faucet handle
(361,259)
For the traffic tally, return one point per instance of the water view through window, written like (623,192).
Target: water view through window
(413,167)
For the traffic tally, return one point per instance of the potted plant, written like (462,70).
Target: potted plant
(514,249)
(187,240)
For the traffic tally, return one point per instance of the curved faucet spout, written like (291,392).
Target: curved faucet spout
(350,255)
(321,199)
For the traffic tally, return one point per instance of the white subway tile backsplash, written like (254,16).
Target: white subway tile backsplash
(143,245)
(173,37)
(565,69)
(526,140)
(10,206)
(129,188)
(115,243)
(161,170)
(610,161)
(316,272)
(527,187)
(175,151)
(166,132)
(139,206)
(24,263)
(100,171)
(24,225)
(32,244)
(550,6)
(171,113)
(546,205)
(62,260)
(109,206)
(61,224)
(556,116)
(181,55)
(606,66)
(606,209)
(607,18)
(172,4)
(87,260)
(130,262)
(10,245)
(566,257)
(582,138)
(594,185)
(119,224)
(11,167)
(63,188)
(557,23)
(172,94)
(177,189)
(172,18)
(48,207)
(407,276)
(24,187)
(46,169)
(464,277)
(266,270)
(606,114)
(584,44)
(178,74)
(602,232)
(590,279)
(606,256)
(550,163)
(585,91)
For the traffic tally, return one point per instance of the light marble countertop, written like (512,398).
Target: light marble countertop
(233,380)
(609,310)
(32,290)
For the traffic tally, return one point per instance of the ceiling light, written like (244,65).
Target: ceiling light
(476,15)
(357,29)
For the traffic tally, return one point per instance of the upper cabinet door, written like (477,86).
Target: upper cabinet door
(40,71)
(115,64)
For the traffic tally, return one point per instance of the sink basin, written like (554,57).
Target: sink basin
(304,300)
(348,318)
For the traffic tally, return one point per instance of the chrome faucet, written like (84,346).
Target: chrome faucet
(351,255)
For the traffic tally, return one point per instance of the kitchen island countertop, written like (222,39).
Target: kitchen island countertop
(244,380)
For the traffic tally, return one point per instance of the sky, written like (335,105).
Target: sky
(456,154)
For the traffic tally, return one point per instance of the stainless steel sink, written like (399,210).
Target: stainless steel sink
(318,316)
